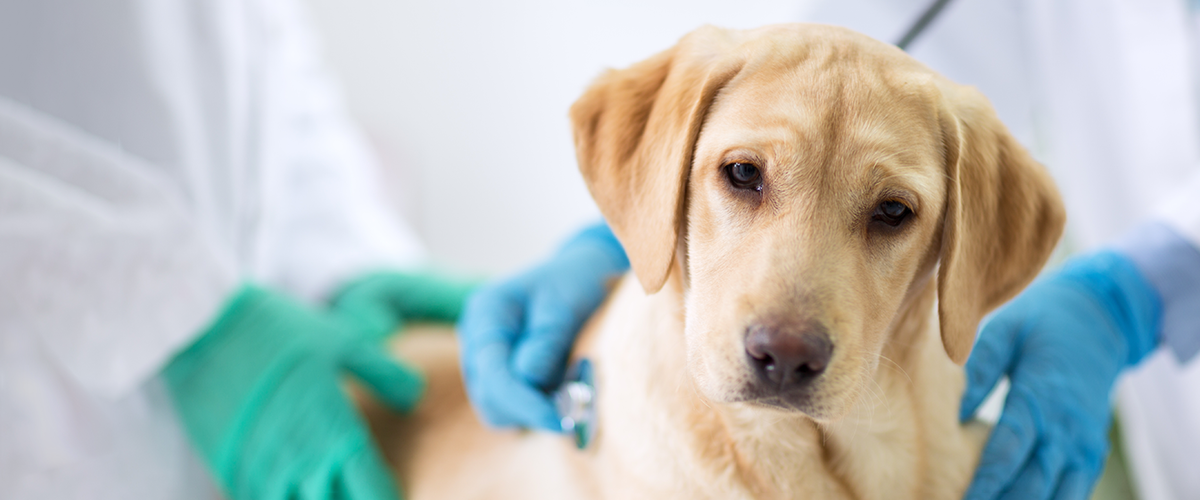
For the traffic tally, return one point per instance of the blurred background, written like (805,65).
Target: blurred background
(466,104)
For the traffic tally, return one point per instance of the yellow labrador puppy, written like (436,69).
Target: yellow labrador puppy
(817,223)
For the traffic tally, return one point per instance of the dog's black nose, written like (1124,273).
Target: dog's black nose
(787,359)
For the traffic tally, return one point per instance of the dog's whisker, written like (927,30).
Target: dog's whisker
(886,404)
(898,367)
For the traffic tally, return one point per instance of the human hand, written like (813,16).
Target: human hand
(516,334)
(378,303)
(1062,343)
(259,395)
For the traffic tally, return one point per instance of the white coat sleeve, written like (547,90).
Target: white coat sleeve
(100,258)
(1182,212)
(1167,252)
(325,220)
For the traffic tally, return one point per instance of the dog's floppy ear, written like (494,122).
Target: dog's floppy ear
(1003,218)
(635,130)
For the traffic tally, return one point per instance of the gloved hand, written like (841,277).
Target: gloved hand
(260,397)
(1062,343)
(516,335)
(378,303)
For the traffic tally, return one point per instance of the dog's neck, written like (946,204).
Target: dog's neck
(652,417)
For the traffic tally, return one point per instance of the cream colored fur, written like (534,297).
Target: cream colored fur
(837,123)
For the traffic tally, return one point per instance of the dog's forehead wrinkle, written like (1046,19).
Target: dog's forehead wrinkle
(912,183)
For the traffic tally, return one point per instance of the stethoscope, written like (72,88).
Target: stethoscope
(921,23)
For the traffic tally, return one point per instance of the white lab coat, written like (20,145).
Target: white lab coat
(1105,94)
(153,155)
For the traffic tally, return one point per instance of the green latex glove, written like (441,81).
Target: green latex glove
(260,396)
(379,303)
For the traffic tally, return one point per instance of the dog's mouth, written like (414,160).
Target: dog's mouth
(804,400)
(778,403)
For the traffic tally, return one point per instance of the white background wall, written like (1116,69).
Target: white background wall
(467,103)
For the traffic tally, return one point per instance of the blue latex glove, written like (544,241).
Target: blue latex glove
(1062,343)
(516,335)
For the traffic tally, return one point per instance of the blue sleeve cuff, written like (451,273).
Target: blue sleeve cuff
(1172,266)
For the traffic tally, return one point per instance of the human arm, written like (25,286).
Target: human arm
(1062,343)
(276,423)
(106,267)
(516,334)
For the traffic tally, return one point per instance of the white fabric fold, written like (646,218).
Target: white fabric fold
(102,259)
(154,154)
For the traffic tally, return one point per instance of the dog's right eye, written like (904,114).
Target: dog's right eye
(891,213)
(744,176)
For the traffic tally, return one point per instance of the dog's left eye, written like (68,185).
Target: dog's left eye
(891,213)
(744,176)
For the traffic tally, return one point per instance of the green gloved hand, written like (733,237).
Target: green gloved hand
(260,397)
(379,303)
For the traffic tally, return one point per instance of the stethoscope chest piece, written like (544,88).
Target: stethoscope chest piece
(575,401)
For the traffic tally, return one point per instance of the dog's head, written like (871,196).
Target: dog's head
(808,181)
